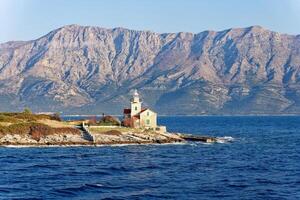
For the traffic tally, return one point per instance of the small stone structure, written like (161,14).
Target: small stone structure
(161,129)
(86,134)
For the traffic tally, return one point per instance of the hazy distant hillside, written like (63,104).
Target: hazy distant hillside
(78,69)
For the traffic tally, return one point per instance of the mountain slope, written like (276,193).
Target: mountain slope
(80,69)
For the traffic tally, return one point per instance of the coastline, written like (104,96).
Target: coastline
(194,115)
(91,144)
(36,130)
(87,145)
(176,138)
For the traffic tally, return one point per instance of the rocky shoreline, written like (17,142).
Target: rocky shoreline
(27,129)
(126,138)
(91,144)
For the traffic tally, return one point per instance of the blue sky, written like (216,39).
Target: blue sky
(30,19)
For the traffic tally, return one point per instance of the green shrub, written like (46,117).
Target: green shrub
(19,128)
(5,118)
(27,111)
(109,121)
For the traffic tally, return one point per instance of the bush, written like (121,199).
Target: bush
(27,111)
(56,117)
(109,120)
(10,119)
(19,128)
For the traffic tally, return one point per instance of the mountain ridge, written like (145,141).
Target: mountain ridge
(160,33)
(85,69)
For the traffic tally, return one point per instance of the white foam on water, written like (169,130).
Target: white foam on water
(145,144)
(16,146)
(95,185)
(43,146)
(92,145)
(225,139)
(206,143)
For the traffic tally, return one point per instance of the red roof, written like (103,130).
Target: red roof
(127,111)
(136,117)
(138,114)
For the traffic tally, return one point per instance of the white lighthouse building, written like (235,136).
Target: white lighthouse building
(138,117)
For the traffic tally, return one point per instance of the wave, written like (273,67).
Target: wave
(225,139)
(96,185)
(75,189)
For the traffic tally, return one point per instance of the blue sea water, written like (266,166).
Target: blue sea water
(262,162)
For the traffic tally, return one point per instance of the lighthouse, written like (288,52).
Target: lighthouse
(136,103)
(138,117)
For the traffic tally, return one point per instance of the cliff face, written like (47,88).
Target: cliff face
(91,70)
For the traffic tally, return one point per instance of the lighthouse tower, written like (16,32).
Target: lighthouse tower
(136,103)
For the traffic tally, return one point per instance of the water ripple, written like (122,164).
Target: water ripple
(260,160)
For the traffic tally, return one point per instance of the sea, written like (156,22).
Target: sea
(255,158)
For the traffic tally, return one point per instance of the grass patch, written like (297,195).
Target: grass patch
(36,130)
(35,125)
(25,117)
(19,128)
(9,119)
(55,124)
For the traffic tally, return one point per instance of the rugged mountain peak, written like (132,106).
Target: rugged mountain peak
(91,69)
(257,28)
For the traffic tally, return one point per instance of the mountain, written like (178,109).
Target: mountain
(82,69)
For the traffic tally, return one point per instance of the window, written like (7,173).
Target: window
(148,113)
(135,108)
(148,121)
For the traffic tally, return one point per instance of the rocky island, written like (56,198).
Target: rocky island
(139,126)
(47,130)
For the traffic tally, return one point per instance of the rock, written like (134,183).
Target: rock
(108,137)
(200,138)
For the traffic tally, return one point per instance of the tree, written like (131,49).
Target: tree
(27,111)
